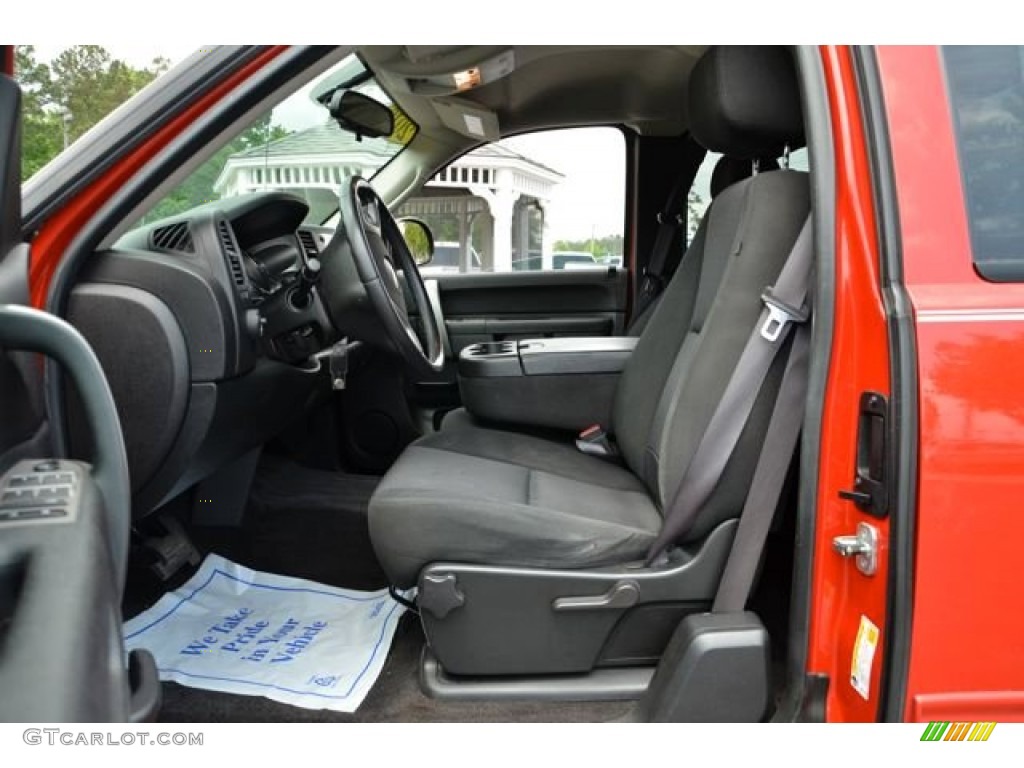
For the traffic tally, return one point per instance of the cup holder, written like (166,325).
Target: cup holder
(491,349)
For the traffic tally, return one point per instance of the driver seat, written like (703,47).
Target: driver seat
(494,525)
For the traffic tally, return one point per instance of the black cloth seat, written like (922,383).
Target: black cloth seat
(728,171)
(483,495)
(475,494)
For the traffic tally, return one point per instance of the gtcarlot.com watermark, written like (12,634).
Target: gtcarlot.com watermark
(69,738)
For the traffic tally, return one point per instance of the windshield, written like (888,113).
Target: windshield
(296,147)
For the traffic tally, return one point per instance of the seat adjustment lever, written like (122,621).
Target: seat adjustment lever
(623,594)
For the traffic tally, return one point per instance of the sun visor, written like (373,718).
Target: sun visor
(468,119)
(425,53)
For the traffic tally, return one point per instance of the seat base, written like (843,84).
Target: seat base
(622,684)
(500,620)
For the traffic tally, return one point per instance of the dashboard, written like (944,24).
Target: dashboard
(259,256)
(206,324)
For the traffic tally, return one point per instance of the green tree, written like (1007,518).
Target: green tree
(417,240)
(609,245)
(87,84)
(41,139)
(67,96)
(695,207)
(197,189)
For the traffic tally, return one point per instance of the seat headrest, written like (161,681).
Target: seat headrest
(745,101)
(729,170)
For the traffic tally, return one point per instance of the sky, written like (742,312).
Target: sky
(590,200)
(139,53)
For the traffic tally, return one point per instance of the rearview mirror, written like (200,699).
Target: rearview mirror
(360,114)
(419,238)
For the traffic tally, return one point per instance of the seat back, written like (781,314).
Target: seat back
(743,102)
(728,171)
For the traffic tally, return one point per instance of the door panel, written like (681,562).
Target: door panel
(494,307)
(21,379)
(20,375)
(64,525)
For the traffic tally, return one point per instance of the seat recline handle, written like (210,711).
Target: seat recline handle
(622,594)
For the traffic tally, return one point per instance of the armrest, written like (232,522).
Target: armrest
(546,357)
(564,383)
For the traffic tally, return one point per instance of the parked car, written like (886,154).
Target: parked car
(446,259)
(572,260)
(555,260)
(595,502)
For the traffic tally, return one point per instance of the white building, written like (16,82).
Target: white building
(488,197)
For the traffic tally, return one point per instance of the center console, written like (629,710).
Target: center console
(565,383)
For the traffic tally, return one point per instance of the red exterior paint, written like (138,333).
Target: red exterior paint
(860,362)
(991,706)
(59,230)
(6,59)
(968,628)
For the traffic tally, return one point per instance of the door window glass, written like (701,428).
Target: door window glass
(986,88)
(553,200)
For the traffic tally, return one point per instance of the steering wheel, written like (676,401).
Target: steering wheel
(380,253)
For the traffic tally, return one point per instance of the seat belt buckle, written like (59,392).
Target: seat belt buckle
(780,316)
(651,283)
(594,441)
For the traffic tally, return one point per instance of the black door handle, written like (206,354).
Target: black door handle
(870,492)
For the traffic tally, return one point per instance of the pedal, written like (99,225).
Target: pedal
(171,552)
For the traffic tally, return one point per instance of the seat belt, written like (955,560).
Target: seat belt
(784,308)
(769,477)
(670,221)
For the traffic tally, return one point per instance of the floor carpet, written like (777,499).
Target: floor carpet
(396,697)
(303,522)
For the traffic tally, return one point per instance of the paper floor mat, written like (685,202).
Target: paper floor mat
(236,630)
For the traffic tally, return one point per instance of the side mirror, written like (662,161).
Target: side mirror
(419,238)
(358,113)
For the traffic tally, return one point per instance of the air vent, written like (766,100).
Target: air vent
(308,240)
(232,255)
(173,237)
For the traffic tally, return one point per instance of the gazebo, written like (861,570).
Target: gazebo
(491,199)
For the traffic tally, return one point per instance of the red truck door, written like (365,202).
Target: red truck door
(955,119)
(850,575)
(64,525)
